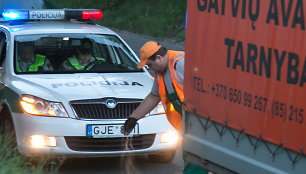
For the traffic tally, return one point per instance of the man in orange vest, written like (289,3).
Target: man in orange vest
(168,66)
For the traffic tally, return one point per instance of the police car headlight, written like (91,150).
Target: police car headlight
(159,109)
(171,137)
(37,106)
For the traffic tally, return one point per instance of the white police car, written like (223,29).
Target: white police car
(77,112)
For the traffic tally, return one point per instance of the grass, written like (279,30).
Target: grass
(157,18)
(12,162)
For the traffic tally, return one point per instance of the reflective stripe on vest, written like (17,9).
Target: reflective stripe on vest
(175,59)
(178,86)
(38,62)
(100,58)
(76,64)
(172,115)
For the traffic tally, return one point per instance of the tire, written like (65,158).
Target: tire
(7,130)
(162,157)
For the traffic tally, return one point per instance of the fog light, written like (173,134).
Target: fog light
(42,141)
(170,137)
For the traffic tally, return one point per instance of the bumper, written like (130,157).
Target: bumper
(71,132)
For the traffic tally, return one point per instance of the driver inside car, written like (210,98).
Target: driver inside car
(82,59)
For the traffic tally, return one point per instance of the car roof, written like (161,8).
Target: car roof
(65,26)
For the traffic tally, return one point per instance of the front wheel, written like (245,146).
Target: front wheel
(7,128)
(162,157)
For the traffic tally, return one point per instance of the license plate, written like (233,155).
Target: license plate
(108,130)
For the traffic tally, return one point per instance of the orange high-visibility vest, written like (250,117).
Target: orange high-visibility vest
(172,115)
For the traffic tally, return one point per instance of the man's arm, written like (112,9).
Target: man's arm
(145,107)
(149,103)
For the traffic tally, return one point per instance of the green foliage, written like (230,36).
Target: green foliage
(158,18)
(12,162)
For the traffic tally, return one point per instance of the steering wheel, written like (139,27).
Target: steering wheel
(92,64)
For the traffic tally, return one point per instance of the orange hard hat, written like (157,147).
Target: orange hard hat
(146,51)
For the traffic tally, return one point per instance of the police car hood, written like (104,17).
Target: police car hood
(86,86)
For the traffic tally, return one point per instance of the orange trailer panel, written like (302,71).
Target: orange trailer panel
(245,65)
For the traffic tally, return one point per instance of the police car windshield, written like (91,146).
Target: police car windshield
(72,53)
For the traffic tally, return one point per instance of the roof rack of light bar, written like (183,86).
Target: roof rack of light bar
(50,14)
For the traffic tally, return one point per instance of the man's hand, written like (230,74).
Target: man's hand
(128,125)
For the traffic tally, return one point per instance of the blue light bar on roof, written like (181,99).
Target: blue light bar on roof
(15,15)
(52,14)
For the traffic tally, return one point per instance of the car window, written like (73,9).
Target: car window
(2,48)
(72,53)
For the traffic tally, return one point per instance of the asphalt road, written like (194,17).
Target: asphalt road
(128,165)
(122,165)
(135,41)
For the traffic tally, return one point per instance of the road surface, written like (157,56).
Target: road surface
(122,165)
(135,41)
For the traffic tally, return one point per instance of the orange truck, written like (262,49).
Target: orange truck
(245,86)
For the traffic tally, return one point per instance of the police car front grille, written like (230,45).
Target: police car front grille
(109,144)
(95,109)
